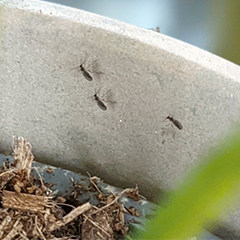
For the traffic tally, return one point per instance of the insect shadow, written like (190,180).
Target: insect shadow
(170,131)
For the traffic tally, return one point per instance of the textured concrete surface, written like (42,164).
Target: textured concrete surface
(44,96)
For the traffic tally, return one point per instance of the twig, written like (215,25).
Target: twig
(99,234)
(23,156)
(24,201)
(5,221)
(8,171)
(65,204)
(96,225)
(70,216)
(16,227)
(40,232)
(34,231)
(115,200)
(93,183)
(23,235)
(62,238)
(40,177)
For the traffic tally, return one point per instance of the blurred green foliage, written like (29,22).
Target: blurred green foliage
(227,34)
(201,198)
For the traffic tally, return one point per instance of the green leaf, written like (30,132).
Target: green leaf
(201,198)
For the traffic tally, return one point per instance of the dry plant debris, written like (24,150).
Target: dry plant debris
(29,211)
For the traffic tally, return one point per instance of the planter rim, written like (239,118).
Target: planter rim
(169,44)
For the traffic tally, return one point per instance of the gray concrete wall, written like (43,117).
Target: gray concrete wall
(149,75)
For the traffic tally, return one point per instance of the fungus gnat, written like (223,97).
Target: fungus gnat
(85,73)
(100,102)
(175,122)
(157,29)
(83,68)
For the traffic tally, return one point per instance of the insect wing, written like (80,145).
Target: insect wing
(178,124)
(87,75)
(101,105)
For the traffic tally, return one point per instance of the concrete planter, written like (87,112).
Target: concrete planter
(45,97)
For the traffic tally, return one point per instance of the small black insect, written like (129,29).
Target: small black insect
(157,29)
(100,102)
(85,73)
(175,122)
